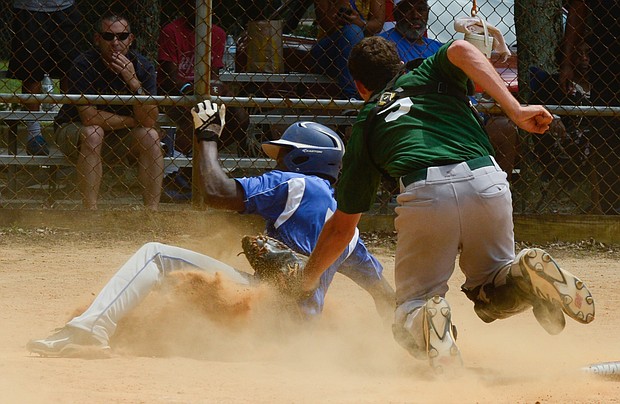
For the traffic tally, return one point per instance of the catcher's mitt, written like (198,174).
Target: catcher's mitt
(276,263)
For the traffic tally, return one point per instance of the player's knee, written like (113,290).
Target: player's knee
(151,247)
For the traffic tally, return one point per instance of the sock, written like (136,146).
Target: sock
(34,129)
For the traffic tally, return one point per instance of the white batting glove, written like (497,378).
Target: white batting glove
(209,117)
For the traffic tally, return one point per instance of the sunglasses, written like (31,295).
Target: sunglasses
(109,36)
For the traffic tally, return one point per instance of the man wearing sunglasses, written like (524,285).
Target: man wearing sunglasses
(91,133)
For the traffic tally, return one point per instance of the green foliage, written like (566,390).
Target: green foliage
(9,85)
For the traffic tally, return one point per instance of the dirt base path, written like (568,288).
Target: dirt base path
(170,353)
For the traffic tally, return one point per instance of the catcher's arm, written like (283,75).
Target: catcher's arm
(334,238)
(218,189)
(532,118)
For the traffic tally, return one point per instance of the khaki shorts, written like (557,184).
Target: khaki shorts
(117,145)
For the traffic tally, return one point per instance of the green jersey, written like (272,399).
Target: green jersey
(411,134)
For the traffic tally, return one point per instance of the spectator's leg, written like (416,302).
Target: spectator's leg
(36,144)
(29,53)
(89,165)
(150,165)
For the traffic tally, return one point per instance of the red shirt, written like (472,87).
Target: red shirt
(177,42)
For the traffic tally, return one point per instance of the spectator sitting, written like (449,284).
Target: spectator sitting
(112,68)
(176,76)
(344,23)
(409,33)
(46,35)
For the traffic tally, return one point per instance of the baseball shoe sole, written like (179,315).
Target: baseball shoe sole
(551,283)
(443,354)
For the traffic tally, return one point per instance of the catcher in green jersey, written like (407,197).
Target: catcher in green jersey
(418,127)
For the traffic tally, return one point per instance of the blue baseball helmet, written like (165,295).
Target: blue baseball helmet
(315,149)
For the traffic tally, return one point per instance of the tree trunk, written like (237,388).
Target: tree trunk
(538,25)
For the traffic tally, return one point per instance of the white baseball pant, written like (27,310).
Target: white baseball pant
(137,277)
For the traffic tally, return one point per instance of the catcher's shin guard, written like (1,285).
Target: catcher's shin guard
(408,329)
(427,333)
(440,336)
(551,289)
(535,279)
(497,302)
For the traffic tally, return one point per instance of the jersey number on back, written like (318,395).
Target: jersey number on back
(403,106)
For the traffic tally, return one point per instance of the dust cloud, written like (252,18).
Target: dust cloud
(204,339)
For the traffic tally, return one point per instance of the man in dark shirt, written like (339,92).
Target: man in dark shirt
(112,68)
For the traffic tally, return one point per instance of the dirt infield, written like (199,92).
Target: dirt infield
(237,348)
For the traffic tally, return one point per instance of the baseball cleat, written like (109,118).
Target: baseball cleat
(543,278)
(443,354)
(69,342)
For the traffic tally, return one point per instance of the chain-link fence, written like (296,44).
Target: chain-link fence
(103,139)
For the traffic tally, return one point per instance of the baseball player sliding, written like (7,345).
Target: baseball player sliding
(295,200)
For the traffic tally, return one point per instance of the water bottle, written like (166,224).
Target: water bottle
(47,87)
(230,52)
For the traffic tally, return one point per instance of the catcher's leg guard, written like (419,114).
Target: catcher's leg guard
(493,302)
(534,279)
(407,329)
(440,335)
(551,288)
(427,333)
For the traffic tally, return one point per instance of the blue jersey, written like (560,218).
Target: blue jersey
(295,207)
(408,50)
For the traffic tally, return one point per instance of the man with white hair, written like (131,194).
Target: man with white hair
(408,34)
